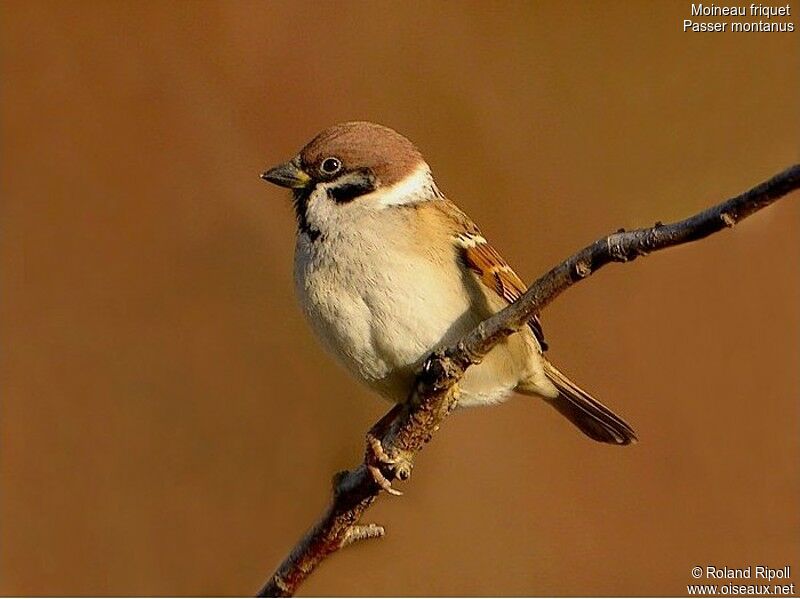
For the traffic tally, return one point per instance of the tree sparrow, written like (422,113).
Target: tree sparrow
(388,269)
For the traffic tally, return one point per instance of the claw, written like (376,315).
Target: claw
(382,481)
(377,457)
(378,452)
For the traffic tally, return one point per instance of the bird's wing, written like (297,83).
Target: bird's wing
(490,267)
(497,275)
(584,411)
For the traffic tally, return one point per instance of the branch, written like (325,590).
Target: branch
(411,425)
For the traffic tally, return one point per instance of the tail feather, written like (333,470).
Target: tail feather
(584,411)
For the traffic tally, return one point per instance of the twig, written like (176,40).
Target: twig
(436,390)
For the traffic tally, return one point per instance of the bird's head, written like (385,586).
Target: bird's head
(351,169)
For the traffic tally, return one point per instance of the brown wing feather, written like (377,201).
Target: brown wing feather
(484,260)
(497,275)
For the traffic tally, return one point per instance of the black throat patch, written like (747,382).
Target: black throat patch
(301,197)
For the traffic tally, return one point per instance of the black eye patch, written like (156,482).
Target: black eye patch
(348,187)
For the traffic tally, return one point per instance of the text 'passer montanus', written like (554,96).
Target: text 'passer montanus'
(388,269)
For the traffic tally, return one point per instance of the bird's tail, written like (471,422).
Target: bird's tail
(584,411)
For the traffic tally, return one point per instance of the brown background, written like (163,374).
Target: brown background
(169,425)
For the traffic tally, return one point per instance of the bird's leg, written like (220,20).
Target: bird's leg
(378,460)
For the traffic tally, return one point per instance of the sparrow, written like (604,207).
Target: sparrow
(388,269)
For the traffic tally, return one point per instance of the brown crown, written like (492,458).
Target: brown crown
(389,155)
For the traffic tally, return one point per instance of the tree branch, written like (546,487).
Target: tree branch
(435,394)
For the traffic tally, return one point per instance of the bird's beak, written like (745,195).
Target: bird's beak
(288,175)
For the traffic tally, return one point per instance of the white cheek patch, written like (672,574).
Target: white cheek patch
(418,186)
(325,214)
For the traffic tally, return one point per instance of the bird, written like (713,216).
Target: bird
(387,270)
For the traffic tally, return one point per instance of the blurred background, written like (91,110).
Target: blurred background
(169,425)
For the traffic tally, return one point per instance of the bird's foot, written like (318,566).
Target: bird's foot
(378,460)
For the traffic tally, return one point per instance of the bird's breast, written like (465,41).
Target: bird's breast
(381,306)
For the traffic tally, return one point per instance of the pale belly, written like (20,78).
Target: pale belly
(382,322)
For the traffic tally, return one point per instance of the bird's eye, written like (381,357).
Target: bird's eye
(331,166)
